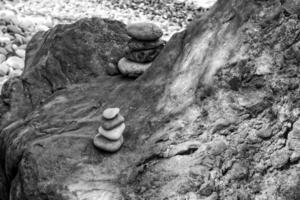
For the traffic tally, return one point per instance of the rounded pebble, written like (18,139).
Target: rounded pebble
(4,69)
(21,53)
(113,123)
(111,69)
(113,134)
(143,56)
(110,113)
(144,31)
(15,62)
(136,45)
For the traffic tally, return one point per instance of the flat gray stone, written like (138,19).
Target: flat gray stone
(113,134)
(136,45)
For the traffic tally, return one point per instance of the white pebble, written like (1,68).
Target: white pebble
(21,53)
(4,69)
(41,28)
(15,62)
(4,40)
(14,73)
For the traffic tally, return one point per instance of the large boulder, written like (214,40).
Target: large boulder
(65,55)
(210,119)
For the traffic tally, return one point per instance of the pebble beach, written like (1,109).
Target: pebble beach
(20,20)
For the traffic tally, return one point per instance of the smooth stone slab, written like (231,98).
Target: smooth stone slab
(143,56)
(132,69)
(113,134)
(110,113)
(107,145)
(135,45)
(113,123)
(144,31)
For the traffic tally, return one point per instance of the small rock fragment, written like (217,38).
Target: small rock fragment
(239,171)
(4,69)
(9,48)
(4,40)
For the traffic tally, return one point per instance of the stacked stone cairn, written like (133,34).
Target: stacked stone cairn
(143,47)
(110,133)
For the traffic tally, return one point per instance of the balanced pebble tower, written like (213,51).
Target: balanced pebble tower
(110,133)
(143,47)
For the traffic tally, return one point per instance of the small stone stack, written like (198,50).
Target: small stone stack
(110,133)
(143,48)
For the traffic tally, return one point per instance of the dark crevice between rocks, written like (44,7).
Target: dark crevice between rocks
(150,159)
(188,151)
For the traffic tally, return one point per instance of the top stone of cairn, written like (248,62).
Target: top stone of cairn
(144,31)
(110,113)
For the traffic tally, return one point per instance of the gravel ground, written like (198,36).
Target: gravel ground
(21,19)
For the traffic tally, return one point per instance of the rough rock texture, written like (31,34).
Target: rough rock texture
(63,56)
(144,31)
(196,119)
(143,56)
